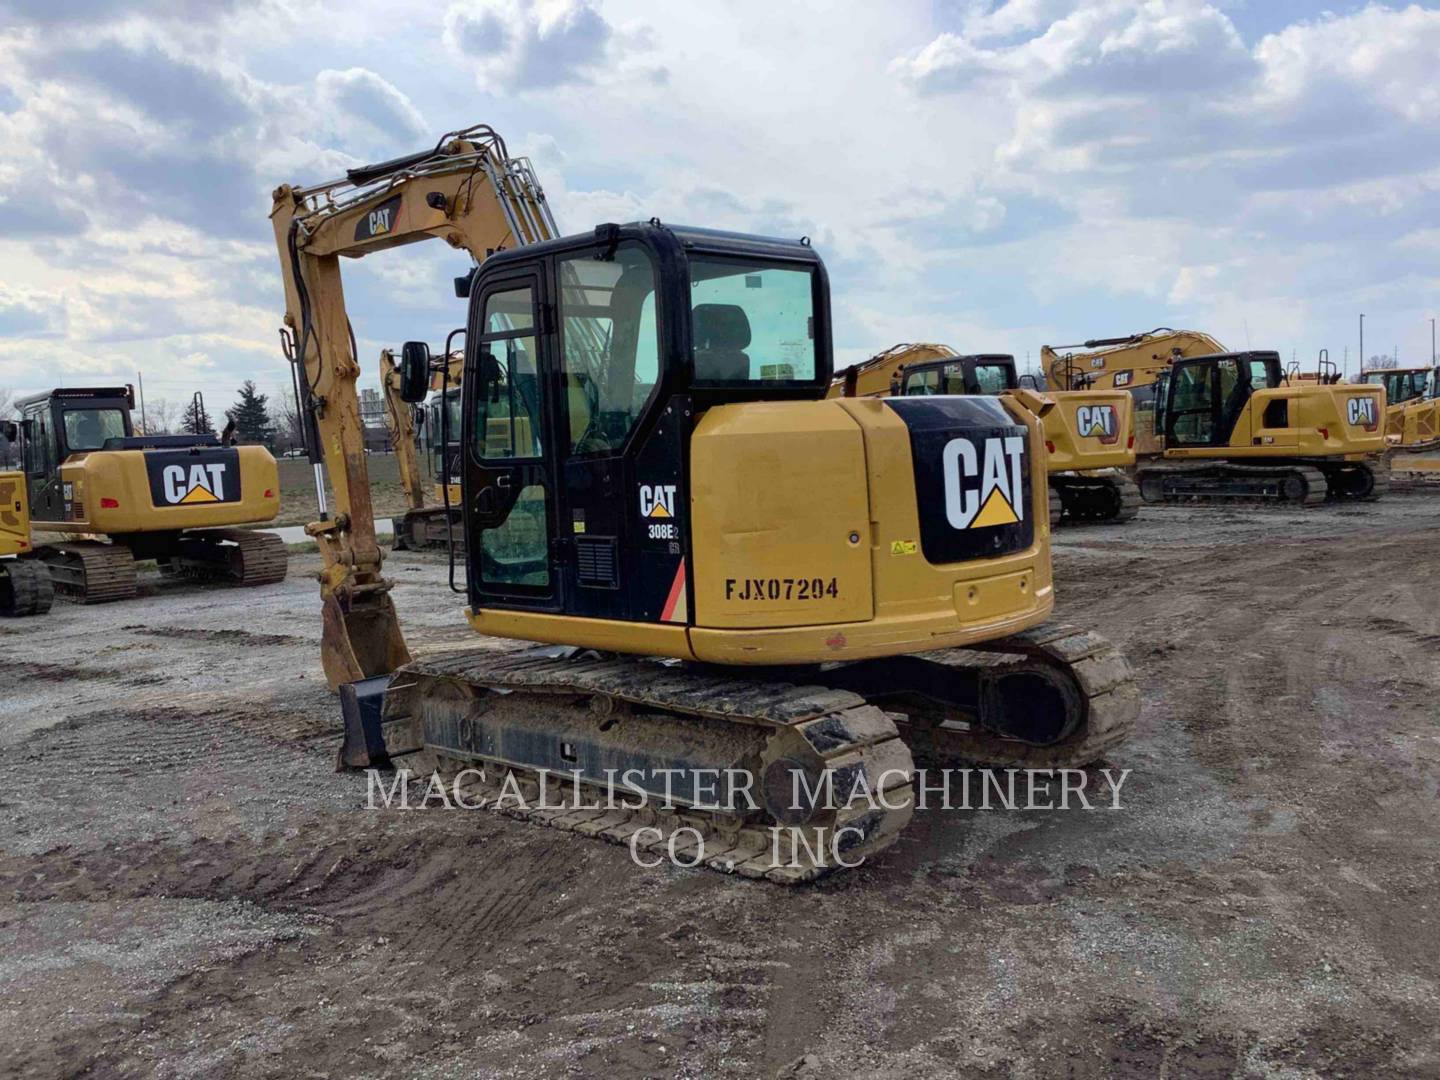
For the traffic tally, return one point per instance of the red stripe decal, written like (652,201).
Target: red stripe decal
(677,590)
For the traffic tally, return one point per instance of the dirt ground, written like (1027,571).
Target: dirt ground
(187,888)
(297,488)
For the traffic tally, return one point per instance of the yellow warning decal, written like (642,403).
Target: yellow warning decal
(996,511)
(199,494)
(903,547)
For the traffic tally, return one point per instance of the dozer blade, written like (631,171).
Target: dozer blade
(360,640)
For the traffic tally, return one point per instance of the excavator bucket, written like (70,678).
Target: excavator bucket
(360,641)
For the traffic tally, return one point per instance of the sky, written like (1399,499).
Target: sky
(992,174)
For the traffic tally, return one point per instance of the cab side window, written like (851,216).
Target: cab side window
(610,359)
(507,406)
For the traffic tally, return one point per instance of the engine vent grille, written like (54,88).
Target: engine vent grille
(597,562)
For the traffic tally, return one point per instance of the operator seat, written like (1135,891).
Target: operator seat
(722,332)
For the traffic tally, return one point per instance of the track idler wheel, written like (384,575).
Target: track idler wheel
(1032,702)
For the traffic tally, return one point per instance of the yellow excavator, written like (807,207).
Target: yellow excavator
(744,596)
(1232,428)
(1412,422)
(25,586)
(1217,426)
(1412,410)
(1132,363)
(425,525)
(1089,434)
(114,497)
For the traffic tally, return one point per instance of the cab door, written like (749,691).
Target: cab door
(509,474)
(42,466)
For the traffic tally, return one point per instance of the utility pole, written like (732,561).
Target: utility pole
(1432,342)
(1362,343)
(140,378)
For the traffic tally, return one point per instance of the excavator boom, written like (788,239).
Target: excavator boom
(468,192)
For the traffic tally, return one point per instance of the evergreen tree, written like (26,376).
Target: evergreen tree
(197,419)
(251,417)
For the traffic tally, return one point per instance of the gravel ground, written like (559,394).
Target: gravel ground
(188,888)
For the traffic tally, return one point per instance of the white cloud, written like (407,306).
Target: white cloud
(518,45)
(994,173)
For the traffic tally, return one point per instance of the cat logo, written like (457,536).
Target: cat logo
(200,483)
(1098,422)
(1362,413)
(657,500)
(380,221)
(984,481)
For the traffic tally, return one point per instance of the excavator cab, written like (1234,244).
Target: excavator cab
(1401,384)
(983,374)
(1204,397)
(587,361)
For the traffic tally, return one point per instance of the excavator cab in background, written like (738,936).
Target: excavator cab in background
(1412,422)
(421,433)
(1233,427)
(172,498)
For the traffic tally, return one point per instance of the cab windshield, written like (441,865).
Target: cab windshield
(87,429)
(754,322)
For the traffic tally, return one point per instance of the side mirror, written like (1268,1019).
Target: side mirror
(414,371)
(10,429)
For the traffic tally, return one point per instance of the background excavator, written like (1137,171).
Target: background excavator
(115,497)
(1131,363)
(1216,426)
(1232,427)
(25,586)
(433,425)
(1412,422)
(1089,434)
(733,576)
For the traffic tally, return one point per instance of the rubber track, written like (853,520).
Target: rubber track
(91,572)
(1093,507)
(264,559)
(1317,488)
(848,732)
(28,586)
(852,738)
(1105,679)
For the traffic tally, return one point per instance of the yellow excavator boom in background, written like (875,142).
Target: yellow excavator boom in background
(1132,363)
(425,524)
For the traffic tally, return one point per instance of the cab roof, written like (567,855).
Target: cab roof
(78,393)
